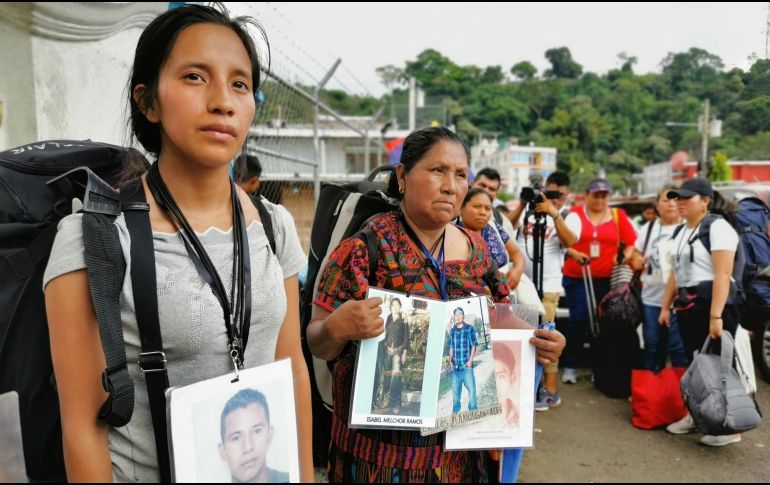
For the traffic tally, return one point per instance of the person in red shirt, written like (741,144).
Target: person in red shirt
(601,231)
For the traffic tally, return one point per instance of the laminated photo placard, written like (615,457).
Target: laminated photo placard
(514,373)
(226,432)
(467,390)
(397,374)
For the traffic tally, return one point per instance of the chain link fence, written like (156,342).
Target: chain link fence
(300,141)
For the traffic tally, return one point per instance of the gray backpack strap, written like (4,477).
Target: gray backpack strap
(105,267)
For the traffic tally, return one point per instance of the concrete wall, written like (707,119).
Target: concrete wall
(17,91)
(65,68)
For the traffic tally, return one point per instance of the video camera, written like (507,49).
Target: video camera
(532,196)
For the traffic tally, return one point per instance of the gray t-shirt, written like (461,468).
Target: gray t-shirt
(191,319)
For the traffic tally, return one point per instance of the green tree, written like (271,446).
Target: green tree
(492,75)
(756,147)
(720,171)
(562,64)
(755,114)
(616,120)
(524,70)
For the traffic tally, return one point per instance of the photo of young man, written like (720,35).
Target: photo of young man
(462,350)
(391,357)
(246,435)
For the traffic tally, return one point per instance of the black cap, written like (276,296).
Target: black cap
(696,186)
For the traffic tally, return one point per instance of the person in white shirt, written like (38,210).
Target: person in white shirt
(558,237)
(702,279)
(652,249)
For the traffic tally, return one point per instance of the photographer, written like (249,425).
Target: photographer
(557,236)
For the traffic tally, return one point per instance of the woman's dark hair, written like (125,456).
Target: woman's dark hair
(473,193)
(155,45)
(722,206)
(420,142)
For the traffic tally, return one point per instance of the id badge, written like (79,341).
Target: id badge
(595,249)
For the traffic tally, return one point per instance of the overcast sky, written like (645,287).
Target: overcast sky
(308,37)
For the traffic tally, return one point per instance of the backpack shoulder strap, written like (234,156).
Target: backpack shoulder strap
(105,267)
(369,238)
(647,238)
(152,359)
(267,220)
(677,231)
(704,233)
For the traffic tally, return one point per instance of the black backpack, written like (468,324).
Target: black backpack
(29,214)
(342,212)
(37,185)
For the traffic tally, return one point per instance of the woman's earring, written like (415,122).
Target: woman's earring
(400,189)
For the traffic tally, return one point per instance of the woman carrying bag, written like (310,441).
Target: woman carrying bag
(599,233)
(700,285)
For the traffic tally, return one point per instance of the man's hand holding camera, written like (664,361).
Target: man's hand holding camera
(547,207)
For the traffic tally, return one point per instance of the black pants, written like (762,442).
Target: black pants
(694,324)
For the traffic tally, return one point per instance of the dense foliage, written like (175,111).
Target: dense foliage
(616,121)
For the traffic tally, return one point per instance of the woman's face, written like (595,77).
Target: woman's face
(476,212)
(692,207)
(597,201)
(205,103)
(436,186)
(667,208)
(395,307)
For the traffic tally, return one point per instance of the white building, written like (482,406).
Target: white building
(65,68)
(342,149)
(516,163)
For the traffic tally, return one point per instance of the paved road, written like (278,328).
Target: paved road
(590,439)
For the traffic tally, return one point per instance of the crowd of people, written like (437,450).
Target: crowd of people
(192,96)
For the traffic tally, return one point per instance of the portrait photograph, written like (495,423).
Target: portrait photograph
(467,390)
(513,360)
(397,372)
(236,432)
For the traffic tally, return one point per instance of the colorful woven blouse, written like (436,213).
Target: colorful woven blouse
(379,456)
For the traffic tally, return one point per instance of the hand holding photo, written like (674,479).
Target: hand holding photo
(397,373)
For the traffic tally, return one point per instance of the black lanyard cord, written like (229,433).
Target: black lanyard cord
(238,312)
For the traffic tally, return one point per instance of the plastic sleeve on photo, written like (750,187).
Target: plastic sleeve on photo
(511,316)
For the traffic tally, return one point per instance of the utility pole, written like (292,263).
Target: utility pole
(704,169)
(412,103)
(767,34)
(319,160)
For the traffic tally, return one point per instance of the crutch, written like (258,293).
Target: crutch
(588,283)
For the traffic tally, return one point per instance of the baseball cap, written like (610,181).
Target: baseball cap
(598,185)
(697,186)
